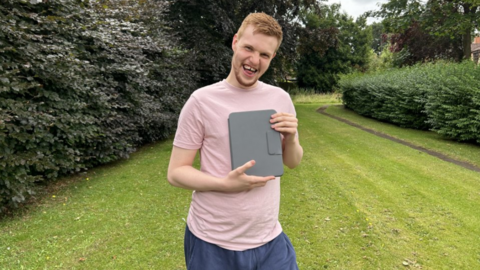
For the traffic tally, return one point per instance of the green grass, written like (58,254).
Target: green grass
(302,96)
(362,202)
(357,201)
(430,140)
(121,216)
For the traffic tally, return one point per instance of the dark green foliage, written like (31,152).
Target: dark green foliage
(378,37)
(206,28)
(332,43)
(454,107)
(414,45)
(443,97)
(395,96)
(81,84)
(433,29)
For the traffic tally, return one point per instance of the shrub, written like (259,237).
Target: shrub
(395,96)
(82,84)
(453,108)
(443,97)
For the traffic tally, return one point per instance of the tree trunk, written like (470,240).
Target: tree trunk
(467,44)
(466,37)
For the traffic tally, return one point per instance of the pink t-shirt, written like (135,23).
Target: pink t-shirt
(237,221)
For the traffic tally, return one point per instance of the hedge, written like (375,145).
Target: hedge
(82,84)
(443,97)
(454,107)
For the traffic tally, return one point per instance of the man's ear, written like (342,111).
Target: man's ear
(275,53)
(234,41)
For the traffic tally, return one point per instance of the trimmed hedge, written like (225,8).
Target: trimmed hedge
(453,109)
(82,84)
(443,97)
(395,96)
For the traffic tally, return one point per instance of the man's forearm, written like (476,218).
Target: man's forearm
(188,177)
(292,153)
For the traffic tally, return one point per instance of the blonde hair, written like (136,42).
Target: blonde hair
(263,24)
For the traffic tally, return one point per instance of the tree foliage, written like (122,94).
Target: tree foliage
(415,45)
(378,40)
(82,83)
(331,43)
(440,28)
(206,29)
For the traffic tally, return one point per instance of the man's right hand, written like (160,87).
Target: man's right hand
(182,174)
(237,180)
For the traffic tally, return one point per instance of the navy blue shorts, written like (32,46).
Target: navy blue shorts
(277,254)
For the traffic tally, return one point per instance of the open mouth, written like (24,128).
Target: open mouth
(249,69)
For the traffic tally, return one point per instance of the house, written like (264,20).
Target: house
(476,49)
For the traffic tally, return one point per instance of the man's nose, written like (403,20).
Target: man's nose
(255,58)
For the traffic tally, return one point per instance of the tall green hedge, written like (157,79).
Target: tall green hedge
(443,97)
(82,84)
(453,109)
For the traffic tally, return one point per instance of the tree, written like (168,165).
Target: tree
(287,13)
(415,45)
(378,41)
(206,29)
(454,19)
(451,19)
(331,44)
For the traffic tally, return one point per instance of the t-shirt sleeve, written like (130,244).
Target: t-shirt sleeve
(190,129)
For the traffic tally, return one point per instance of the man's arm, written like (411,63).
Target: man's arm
(182,174)
(287,124)
(292,151)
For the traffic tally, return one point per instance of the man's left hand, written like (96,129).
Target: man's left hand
(286,124)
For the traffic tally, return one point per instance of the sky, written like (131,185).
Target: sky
(356,8)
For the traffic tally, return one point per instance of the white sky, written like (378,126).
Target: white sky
(356,8)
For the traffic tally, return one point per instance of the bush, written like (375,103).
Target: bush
(443,97)
(82,84)
(454,107)
(394,96)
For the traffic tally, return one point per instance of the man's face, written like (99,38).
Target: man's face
(252,54)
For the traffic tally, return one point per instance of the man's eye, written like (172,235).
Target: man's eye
(248,48)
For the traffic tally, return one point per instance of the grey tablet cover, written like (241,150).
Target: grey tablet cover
(251,137)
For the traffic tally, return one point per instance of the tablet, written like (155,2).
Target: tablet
(251,137)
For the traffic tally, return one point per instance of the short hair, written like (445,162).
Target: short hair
(263,24)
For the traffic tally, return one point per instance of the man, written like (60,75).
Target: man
(233,218)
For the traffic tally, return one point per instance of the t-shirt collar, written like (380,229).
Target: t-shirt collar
(256,88)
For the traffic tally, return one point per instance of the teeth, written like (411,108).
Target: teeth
(249,68)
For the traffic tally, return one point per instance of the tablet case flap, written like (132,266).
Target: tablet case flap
(274,142)
(252,138)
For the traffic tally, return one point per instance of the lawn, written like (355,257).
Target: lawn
(357,201)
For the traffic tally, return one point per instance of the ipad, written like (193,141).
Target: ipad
(251,137)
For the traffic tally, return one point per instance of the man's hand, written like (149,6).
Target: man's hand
(286,124)
(237,180)
(182,174)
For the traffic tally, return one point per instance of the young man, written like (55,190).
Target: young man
(233,218)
